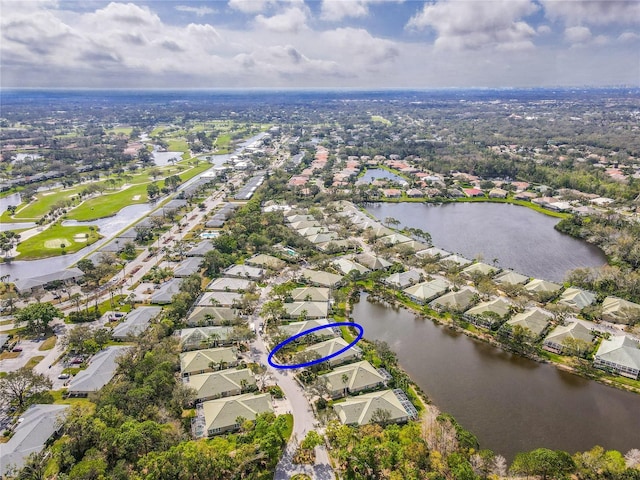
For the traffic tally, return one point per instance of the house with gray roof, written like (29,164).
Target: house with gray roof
(373,262)
(186,267)
(555,341)
(35,426)
(308,309)
(102,368)
(577,298)
(218,299)
(618,310)
(268,262)
(488,314)
(27,285)
(201,249)
(335,246)
(300,218)
(136,322)
(361,410)
(538,285)
(295,328)
(352,378)
(455,260)
(223,383)
(320,278)
(510,277)
(329,347)
(345,266)
(480,268)
(395,238)
(208,360)
(424,292)
(164,295)
(433,252)
(404,280)
(533,319)
(304,224)
(228,284)
(455,301)
(204,337)
(310,294)
(207,316)
(320,238)
(620,354)
(220,416)
(244,271)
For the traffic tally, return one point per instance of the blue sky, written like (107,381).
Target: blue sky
(320,43)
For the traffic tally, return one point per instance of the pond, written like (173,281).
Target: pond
(378,174)
(511,403)
(518,237)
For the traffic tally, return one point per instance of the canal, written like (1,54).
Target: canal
(518,237)
(511,403)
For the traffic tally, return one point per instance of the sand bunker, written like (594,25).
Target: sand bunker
(80,237)
(135,198)
(56,242)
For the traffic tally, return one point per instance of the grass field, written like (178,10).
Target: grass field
(109,203)
(43,203)
(33,361)
(378,118)
(48,344)
(123,130)
(48,243)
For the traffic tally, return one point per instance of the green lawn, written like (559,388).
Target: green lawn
(109,203)
(123,130)
(378,118)
(48,344)
(43,203)
(48,243)
(33,361)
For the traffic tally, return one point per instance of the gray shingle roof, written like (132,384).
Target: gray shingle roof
(102,367)
(136,322)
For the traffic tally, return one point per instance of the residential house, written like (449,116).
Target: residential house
(219,299)
(308,309)
(267,262)
(164,294)
(320,278)
(204,337)
(363,409)
(207,316)
(404,280)
(455,301)
(480,268)
(102,368)
(498,193)
(577,298)
(200,249)
(244,271)
(346,266)
(310,294)
(555,341)
(352,378)
(207,360)
(296,328)
(538,285)
(223,383)
(136,322)
(433,252)
(329,347)
(228,284)
(221,415)
(533,319)
(488,314)
(394,239)
(455,260)
(620,354)
(34,428)
(424,292)
(509,277)
(186,267)
(373,262)
(618,310)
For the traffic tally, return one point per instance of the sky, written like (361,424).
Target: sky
(367,44)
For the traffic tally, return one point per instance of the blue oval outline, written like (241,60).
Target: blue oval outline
(359,327)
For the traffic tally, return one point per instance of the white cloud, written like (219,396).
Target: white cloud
(199,11)
(577,35)
(472,24)
(358,47)
(335,10)
(543,29)
(593,12)
(289,21)
(628,37)
(249,6)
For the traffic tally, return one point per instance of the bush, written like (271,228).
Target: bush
(83,316)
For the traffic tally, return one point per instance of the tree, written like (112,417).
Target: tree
(543,462)
(19,386)
(172,182)
(153,190)
(37,317)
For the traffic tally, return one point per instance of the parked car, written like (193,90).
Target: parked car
(16,349)
(76,360)
(64,376)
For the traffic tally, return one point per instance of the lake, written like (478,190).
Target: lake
(511,403)
(518,237)
(378,174)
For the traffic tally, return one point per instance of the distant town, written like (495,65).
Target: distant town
(155,252)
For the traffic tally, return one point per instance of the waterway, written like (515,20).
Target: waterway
(518,237)
(511,403)
(378,174)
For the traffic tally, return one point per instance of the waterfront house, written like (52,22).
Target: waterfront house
(433,252)
(426,291)
(207,360)
(555,341)
(538,285)
(306,309)
(352,378)
(363,409)
(346,266)
(30,436)
(394,239)
(498,193)
(455,301)
(488,314)
(480,268)
(454,260)
(221,415)
(102,368)
(509,277)
(577,298)
(223,383)
(404,280)
(618,310)
(373,262)
(328,347)
(534,319)
(620,354)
